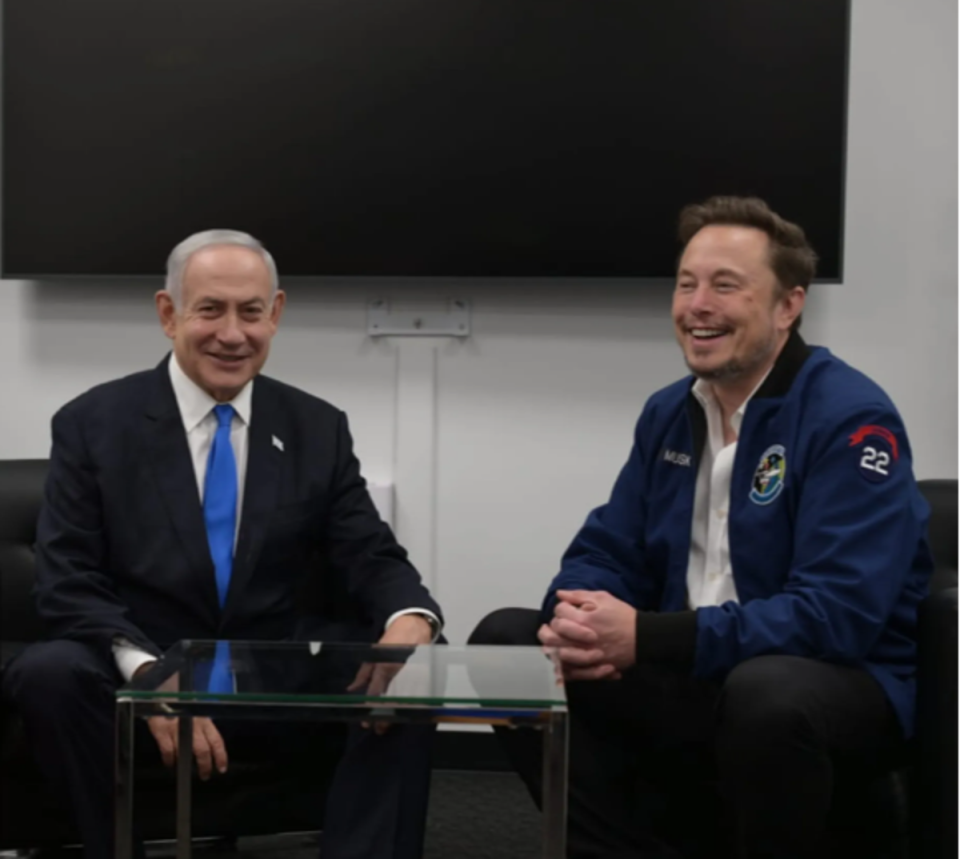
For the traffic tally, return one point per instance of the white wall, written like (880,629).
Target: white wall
(500,445)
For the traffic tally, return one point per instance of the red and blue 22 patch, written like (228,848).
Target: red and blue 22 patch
(878,452)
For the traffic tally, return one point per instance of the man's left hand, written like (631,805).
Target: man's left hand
(613,621)
(406,631)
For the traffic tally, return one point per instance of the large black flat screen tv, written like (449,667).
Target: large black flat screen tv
(413,137)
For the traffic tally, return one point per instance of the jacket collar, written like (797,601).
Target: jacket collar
(785,369)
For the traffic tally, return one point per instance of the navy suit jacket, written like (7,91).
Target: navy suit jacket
(121,541)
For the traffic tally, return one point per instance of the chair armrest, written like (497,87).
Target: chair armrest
(934,795)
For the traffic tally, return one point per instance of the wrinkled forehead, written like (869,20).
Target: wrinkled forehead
(226,273)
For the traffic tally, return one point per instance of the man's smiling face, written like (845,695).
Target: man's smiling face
(728,309)
(222,331)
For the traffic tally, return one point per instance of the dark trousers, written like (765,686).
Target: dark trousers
(664,765)
(64,691)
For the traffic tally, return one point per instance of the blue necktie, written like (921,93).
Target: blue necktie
(220,515)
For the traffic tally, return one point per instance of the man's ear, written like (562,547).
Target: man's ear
(276,309)
(166,312)
(790,306)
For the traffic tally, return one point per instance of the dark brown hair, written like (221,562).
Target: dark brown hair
(793,260)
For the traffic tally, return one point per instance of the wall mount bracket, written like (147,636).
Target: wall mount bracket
(382,321)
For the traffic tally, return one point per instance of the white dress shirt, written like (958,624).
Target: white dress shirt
(200,423)
(709,574)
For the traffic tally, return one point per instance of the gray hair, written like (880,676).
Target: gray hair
(180,256)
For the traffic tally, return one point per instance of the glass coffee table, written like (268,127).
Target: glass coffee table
(511,686)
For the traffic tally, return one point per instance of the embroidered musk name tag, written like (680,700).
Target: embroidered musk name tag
(677,458)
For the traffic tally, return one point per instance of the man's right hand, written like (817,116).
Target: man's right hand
(208,746)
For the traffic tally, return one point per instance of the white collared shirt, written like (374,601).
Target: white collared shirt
(200,424)
(709,574)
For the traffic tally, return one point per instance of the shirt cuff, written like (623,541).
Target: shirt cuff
(667,637)
(434,621)
(129,657)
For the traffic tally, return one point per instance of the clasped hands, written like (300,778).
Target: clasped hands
(594,635)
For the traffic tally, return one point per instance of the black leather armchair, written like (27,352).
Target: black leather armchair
(258,796)
(907,809)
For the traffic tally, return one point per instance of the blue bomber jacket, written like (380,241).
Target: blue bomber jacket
(827,530)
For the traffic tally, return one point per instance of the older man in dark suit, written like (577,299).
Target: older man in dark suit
(190,501)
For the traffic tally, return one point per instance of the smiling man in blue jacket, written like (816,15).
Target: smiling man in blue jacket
(737,624)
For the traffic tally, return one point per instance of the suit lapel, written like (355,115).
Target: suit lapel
(264,459)
(169,454)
